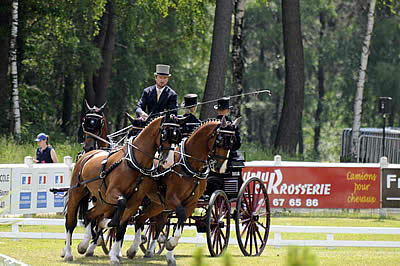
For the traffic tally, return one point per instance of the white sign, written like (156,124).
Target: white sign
(5,187)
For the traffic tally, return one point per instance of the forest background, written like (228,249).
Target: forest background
(68,49)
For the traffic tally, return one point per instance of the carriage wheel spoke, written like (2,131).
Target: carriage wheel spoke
(255,238)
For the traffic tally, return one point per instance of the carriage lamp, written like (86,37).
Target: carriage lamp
(384,108)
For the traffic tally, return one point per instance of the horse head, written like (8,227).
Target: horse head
(170,136)
(223,141)
(94,124)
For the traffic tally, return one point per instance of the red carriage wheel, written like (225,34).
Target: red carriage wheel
(150,232)
(252,217)
(106,243)
(218,223)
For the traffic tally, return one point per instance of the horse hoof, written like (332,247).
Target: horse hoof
(171,262)
(130,254)
(62,253)
(149,254)
(114,262)
(69,258)
(81,250)
(169,246)
(89,254)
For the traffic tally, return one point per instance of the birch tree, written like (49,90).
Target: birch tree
(14,71)
(361,78)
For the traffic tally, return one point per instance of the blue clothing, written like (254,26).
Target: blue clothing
(45,155)
(148,102)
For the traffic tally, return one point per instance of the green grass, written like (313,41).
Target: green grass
(47,251)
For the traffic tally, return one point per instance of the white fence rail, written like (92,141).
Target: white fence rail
(277,230)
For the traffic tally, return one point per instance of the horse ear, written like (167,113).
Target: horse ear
(223,122)
(87,105)
(236,122)
(130,118)
(102,107)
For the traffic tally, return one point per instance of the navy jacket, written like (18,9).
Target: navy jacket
(190,123)
(44,156)
(148,102)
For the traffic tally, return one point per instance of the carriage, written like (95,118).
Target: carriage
(244,201)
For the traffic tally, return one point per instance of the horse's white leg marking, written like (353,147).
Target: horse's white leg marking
(170,258)
(90,250)
(131,252)
(115,253)
(150,250)
(162,238)
(173,241)
(67,252)
(83,245)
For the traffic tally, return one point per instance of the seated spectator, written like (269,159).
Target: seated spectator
(44,153)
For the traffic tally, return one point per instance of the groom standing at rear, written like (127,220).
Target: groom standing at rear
(159,97)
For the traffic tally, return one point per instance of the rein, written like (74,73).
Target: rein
(96,137)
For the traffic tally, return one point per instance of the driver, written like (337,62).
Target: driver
(190,121)
(159,97)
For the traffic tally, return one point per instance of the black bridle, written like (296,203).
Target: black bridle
(225,139)
(92,126)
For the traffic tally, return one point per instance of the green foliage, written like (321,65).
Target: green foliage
(303,256)
(198,257)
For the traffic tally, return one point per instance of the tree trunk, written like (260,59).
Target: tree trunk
(321,86)
(16,123)
(219,57)
(361,80)
(237,56)
(96,84)
(292,110)
(67,104)
(5,25)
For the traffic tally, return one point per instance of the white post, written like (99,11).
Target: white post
(28,160)
(68,161)
(277,159)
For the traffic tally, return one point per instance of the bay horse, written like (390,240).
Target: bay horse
(94,127)
(207,147)
(112,178)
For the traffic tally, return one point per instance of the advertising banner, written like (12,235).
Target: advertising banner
(319,187)
(390,188)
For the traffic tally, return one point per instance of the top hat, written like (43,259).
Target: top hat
(162,70)
(190,100)
(223,104)
(41,137)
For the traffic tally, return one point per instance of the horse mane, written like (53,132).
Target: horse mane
(203,123)
(148,123)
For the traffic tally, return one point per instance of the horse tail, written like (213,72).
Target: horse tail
(83,207)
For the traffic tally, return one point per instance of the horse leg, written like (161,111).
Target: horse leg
(121,205)
(83,245)
(74,202)
(95,237)
(182,213)
(150,211)
(160,220)
(115,252)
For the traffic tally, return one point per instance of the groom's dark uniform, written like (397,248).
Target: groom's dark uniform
(149,104)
